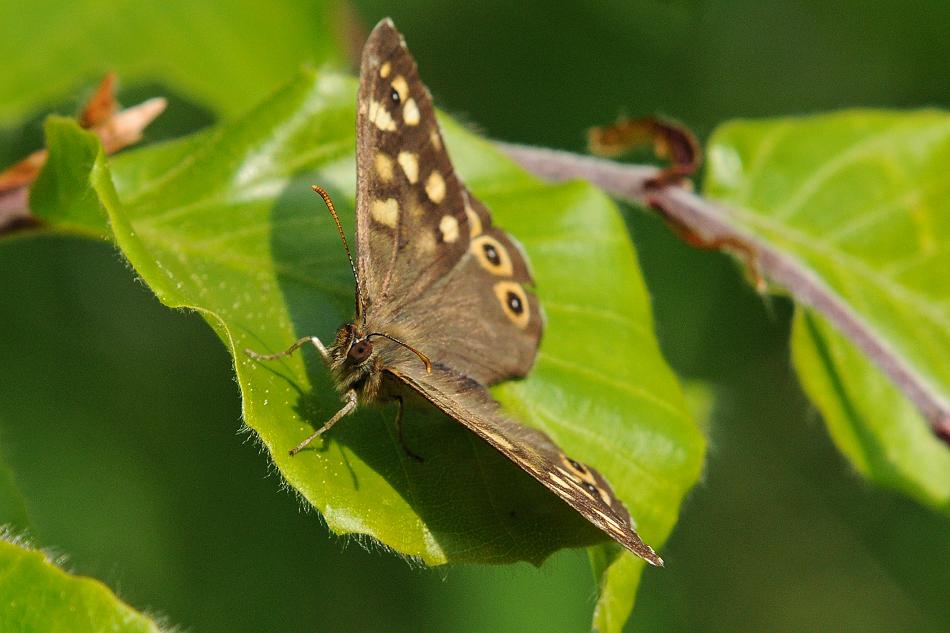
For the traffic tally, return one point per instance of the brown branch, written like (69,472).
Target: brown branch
(709,222)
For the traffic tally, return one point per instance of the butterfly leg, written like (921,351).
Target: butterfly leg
(402,438)
(347,409)
(316,342)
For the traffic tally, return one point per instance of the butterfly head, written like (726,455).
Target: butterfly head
(360,350)
(353,348)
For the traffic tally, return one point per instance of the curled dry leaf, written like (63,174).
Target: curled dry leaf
(677,143)
(670,140)
(115,128)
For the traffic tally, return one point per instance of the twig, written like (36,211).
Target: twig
(711,222)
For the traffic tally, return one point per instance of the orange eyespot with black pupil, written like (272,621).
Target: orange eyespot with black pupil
(360,351)
(514,302)
(492,255)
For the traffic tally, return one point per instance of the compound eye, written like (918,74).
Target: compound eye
(360,351)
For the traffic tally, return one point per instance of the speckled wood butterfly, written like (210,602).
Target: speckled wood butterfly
(421,236)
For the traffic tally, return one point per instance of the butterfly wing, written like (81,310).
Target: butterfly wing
(582,487)
(437,274)
(427,249)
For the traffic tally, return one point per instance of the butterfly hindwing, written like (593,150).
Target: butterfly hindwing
(426,246)
(580,485)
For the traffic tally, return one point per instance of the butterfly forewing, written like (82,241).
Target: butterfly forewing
(426,245)
(411,222)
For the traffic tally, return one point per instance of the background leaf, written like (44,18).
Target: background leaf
(40,597)
(859,198)
(870,419)
(222,57)
(12,507)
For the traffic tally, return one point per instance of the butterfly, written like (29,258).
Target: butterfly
(444,304)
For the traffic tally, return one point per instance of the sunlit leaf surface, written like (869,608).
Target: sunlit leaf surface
(36,596)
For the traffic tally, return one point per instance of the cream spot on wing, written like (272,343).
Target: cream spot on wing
(384,166)
(410,112)
(499,440)
(425,242)
(385,211)
(560,482)
(410,165)
(381,117)
(610,520)
(384,70)
(435,139)
(435,187)
(401,87)
(474,222)
(449,228)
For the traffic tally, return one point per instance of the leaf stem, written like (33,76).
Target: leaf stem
(710,221)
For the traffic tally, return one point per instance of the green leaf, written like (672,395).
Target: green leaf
(860,200)
(39,596)
(617,573)
(871,421)
(226,224)
(198,49)
(62,195)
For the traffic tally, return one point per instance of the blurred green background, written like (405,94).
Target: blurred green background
(119,418)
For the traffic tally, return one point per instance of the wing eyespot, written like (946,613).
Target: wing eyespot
(492,255)
(514,302)
(577,470)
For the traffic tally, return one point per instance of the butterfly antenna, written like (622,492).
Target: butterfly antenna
(360,302)
(425,359)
